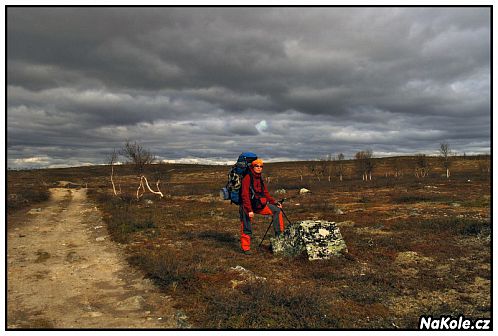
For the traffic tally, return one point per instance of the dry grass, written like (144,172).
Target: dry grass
(416,246)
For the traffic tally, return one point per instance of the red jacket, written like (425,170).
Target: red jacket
(264,195)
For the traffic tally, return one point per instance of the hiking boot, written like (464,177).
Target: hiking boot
(247,252)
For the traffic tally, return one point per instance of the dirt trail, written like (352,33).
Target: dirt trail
(64,272)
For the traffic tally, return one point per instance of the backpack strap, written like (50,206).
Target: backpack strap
(251,186)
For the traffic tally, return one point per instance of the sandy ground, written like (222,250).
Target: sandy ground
(64,272)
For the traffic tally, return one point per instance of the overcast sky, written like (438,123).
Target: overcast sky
(204,84)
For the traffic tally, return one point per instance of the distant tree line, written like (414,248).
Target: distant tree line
(364,165)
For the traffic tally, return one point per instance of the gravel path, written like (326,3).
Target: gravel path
(64,272)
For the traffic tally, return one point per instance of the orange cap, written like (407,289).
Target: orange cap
(257,162)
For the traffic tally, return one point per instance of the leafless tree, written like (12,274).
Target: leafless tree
(365,164)
(140,158)
(484,166)
(446,157)
(301,170)
(422,167)
(112,160)
(329,166)
(339,166)
(312,167)
(316,169)
(270,176)
(398,168)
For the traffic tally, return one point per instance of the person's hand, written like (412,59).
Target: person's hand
(251,214)
(279,205)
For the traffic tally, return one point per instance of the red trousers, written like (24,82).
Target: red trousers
(245,223)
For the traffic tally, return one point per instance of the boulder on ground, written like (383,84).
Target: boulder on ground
(304,191)
(244,276)
(338,211)
(320,239)
(34,211)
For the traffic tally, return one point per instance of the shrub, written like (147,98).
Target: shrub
(472,227)
(121,225)
(26,198)
(121,219)
(415,198)
(263,305)
(462,226)
(166,267)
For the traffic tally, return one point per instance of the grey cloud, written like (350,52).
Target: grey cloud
(200,79)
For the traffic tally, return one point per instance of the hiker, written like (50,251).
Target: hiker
(256,199)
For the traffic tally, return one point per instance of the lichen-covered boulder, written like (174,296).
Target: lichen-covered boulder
(318,238)
(289,243)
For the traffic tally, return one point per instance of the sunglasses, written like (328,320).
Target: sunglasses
(258,166)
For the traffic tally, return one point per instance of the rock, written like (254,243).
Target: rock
(149,202)
(411,257)
(131,303)
(280,191)
(181,319)
(42,256)
(339,211)
(318,238)
(289,243)
(100,239)
(346,224)
(34,211)
(304,191)
(246,273)
(244,276)
(72,257)
(456,205)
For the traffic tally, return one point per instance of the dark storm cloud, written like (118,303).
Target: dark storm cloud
(205,83)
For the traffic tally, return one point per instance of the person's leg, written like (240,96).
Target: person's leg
(278,220)
(245,230)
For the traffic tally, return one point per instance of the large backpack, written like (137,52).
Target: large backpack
(240,169)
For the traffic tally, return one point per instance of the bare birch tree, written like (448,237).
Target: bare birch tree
(140,158)
(484,166)
(446,156)
(329,166)
(112,160)
(422,166)
(300,171)
(398,168)
(339,166)
(365,164)
(317,169)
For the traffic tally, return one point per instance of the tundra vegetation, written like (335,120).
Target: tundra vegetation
(419,242)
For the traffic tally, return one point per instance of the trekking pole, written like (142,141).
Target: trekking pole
(281,201)
(265,234)
(285,215)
